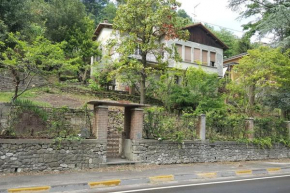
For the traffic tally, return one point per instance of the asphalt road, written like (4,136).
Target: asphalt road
(273,184)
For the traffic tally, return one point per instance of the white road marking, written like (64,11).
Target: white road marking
(201,184)
(277,163)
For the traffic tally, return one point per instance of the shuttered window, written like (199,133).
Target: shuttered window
(197,55)
(179,50)
(204,57)
(212,58)
(187,54)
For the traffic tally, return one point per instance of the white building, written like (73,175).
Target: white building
(203,49)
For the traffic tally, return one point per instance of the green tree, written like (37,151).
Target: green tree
(80,48)
(100,10)
(143,24)
(197,93)
(273,17)
(230,40)
(262,70)
(182,14)
(25,60)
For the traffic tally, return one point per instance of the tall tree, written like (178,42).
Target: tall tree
(270,17)
(26,60)
(96,9)
(262,70)
(143,24)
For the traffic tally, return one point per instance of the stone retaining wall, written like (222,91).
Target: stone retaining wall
(7,84)
(166,152)
(23,155)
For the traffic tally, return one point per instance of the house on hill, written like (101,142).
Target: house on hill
(230,63)
(203,49)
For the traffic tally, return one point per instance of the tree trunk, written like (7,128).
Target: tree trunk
(142,89)
(143,79)
(16,82)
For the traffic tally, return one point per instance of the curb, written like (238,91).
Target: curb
(147,180)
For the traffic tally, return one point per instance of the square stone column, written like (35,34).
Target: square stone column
(250,128)
(136,125)
(100,128)
(201,127)
(288,128)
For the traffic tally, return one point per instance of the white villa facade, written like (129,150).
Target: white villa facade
(203,49)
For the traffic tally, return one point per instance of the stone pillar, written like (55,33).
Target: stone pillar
(136,125)
(100,129)
(201,127)
(250,128)
(288,128)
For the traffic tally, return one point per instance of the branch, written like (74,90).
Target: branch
(26,87)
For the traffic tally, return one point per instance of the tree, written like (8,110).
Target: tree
(197,93)
(270,17)
(143,25)
(262,70)
(25,60)
(67,20)
(100,10)
(80,48)
(230,40)
(182,14)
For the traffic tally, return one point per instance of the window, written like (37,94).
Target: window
(187,54)
(196,55)
(179,49)
(204,57)
(212,59)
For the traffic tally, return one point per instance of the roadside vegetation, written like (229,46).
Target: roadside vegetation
(53,39)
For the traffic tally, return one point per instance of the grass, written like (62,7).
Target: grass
(29,95)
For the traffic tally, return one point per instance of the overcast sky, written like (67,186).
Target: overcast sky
(214,12)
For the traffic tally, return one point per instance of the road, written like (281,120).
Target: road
(271,184)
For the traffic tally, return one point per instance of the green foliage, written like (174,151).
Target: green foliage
(273,18)
(263,70)
(197,93)
(147,23)
(224,126)
(161,125)
(263,142)
(41,57)
(30,106)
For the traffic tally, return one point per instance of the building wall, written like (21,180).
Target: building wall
(218,68)
(166,152)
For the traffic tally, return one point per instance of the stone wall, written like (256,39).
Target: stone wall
(23,155)
(166,152)
(4,112)
(7,85)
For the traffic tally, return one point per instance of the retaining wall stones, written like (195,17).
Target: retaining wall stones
(7,84)
(166,152)
(23,155)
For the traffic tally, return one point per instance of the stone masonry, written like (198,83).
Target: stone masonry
(166,152)
(24,155)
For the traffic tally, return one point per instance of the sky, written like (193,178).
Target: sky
(214,12)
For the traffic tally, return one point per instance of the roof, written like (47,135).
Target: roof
(235,57)
(208,32)
(100,27)
(115,103)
